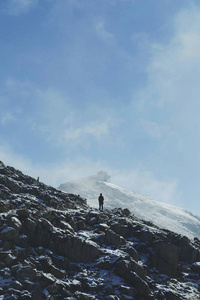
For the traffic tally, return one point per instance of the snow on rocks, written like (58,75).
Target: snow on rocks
(54,246)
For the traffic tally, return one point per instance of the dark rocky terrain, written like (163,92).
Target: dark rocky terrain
(54,246)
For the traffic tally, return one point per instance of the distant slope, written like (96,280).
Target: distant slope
(161,214)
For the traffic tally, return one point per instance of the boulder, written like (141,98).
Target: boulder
(165,258)
(188,252)
(16,285)
(128,248)
(23,272)
(195,267)
(13,185)
(123,267)
(15,223)
(146,236)
(76,248)
(10,259)
(9,233)
(30,225)
(84,296)
(3,206)
(22,241)
(126,212)
(140,285)
(46,225)
(112,238)
(128,291)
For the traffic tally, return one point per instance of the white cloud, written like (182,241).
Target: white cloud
(16,7)
(8,157)
(6,118)
(146,184)
(153,129)
(50,113)
(190,47)
(89,131)
(94,129)
(174,67)
(173,81)
(103,34)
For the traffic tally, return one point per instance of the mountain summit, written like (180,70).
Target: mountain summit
(161,214)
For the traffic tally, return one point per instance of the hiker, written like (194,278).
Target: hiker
(101,199)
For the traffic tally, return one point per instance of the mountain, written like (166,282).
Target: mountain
(161,214)
(55,246)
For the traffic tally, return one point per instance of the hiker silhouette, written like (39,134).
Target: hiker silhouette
(101,200)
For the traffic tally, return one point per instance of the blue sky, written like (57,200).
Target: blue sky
(107,85)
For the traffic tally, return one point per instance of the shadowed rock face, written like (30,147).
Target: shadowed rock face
(54,246)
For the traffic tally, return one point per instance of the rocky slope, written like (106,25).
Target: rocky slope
(54,246)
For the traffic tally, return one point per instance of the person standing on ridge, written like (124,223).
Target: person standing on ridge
(101,199)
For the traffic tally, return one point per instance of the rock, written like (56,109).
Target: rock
(66,226)
(13,185)
(130,250)
(81,225)
(23,213)
(46,279)
(128,291)
(87,251)
(28,285)
(16,285)
(37,293)
(139,284)
(112,238)
(126,212)
(9,233)
(84,296)
(92,221)
(46,225)
(166,258)
(172,295)
(5,273)
(15,223)
(188,252)
(3,207)
(10,260)
(22,241)
(56,272)
(123,268)
(106,262)
(16,294)
(24,272)
(99,238)
(195,267)
(45,263)
(30,225)
(147,236)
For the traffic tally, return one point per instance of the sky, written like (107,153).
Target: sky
(108,85)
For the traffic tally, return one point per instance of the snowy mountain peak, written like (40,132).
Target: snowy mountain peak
(161,214)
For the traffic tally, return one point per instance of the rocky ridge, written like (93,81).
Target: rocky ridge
(54,246)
